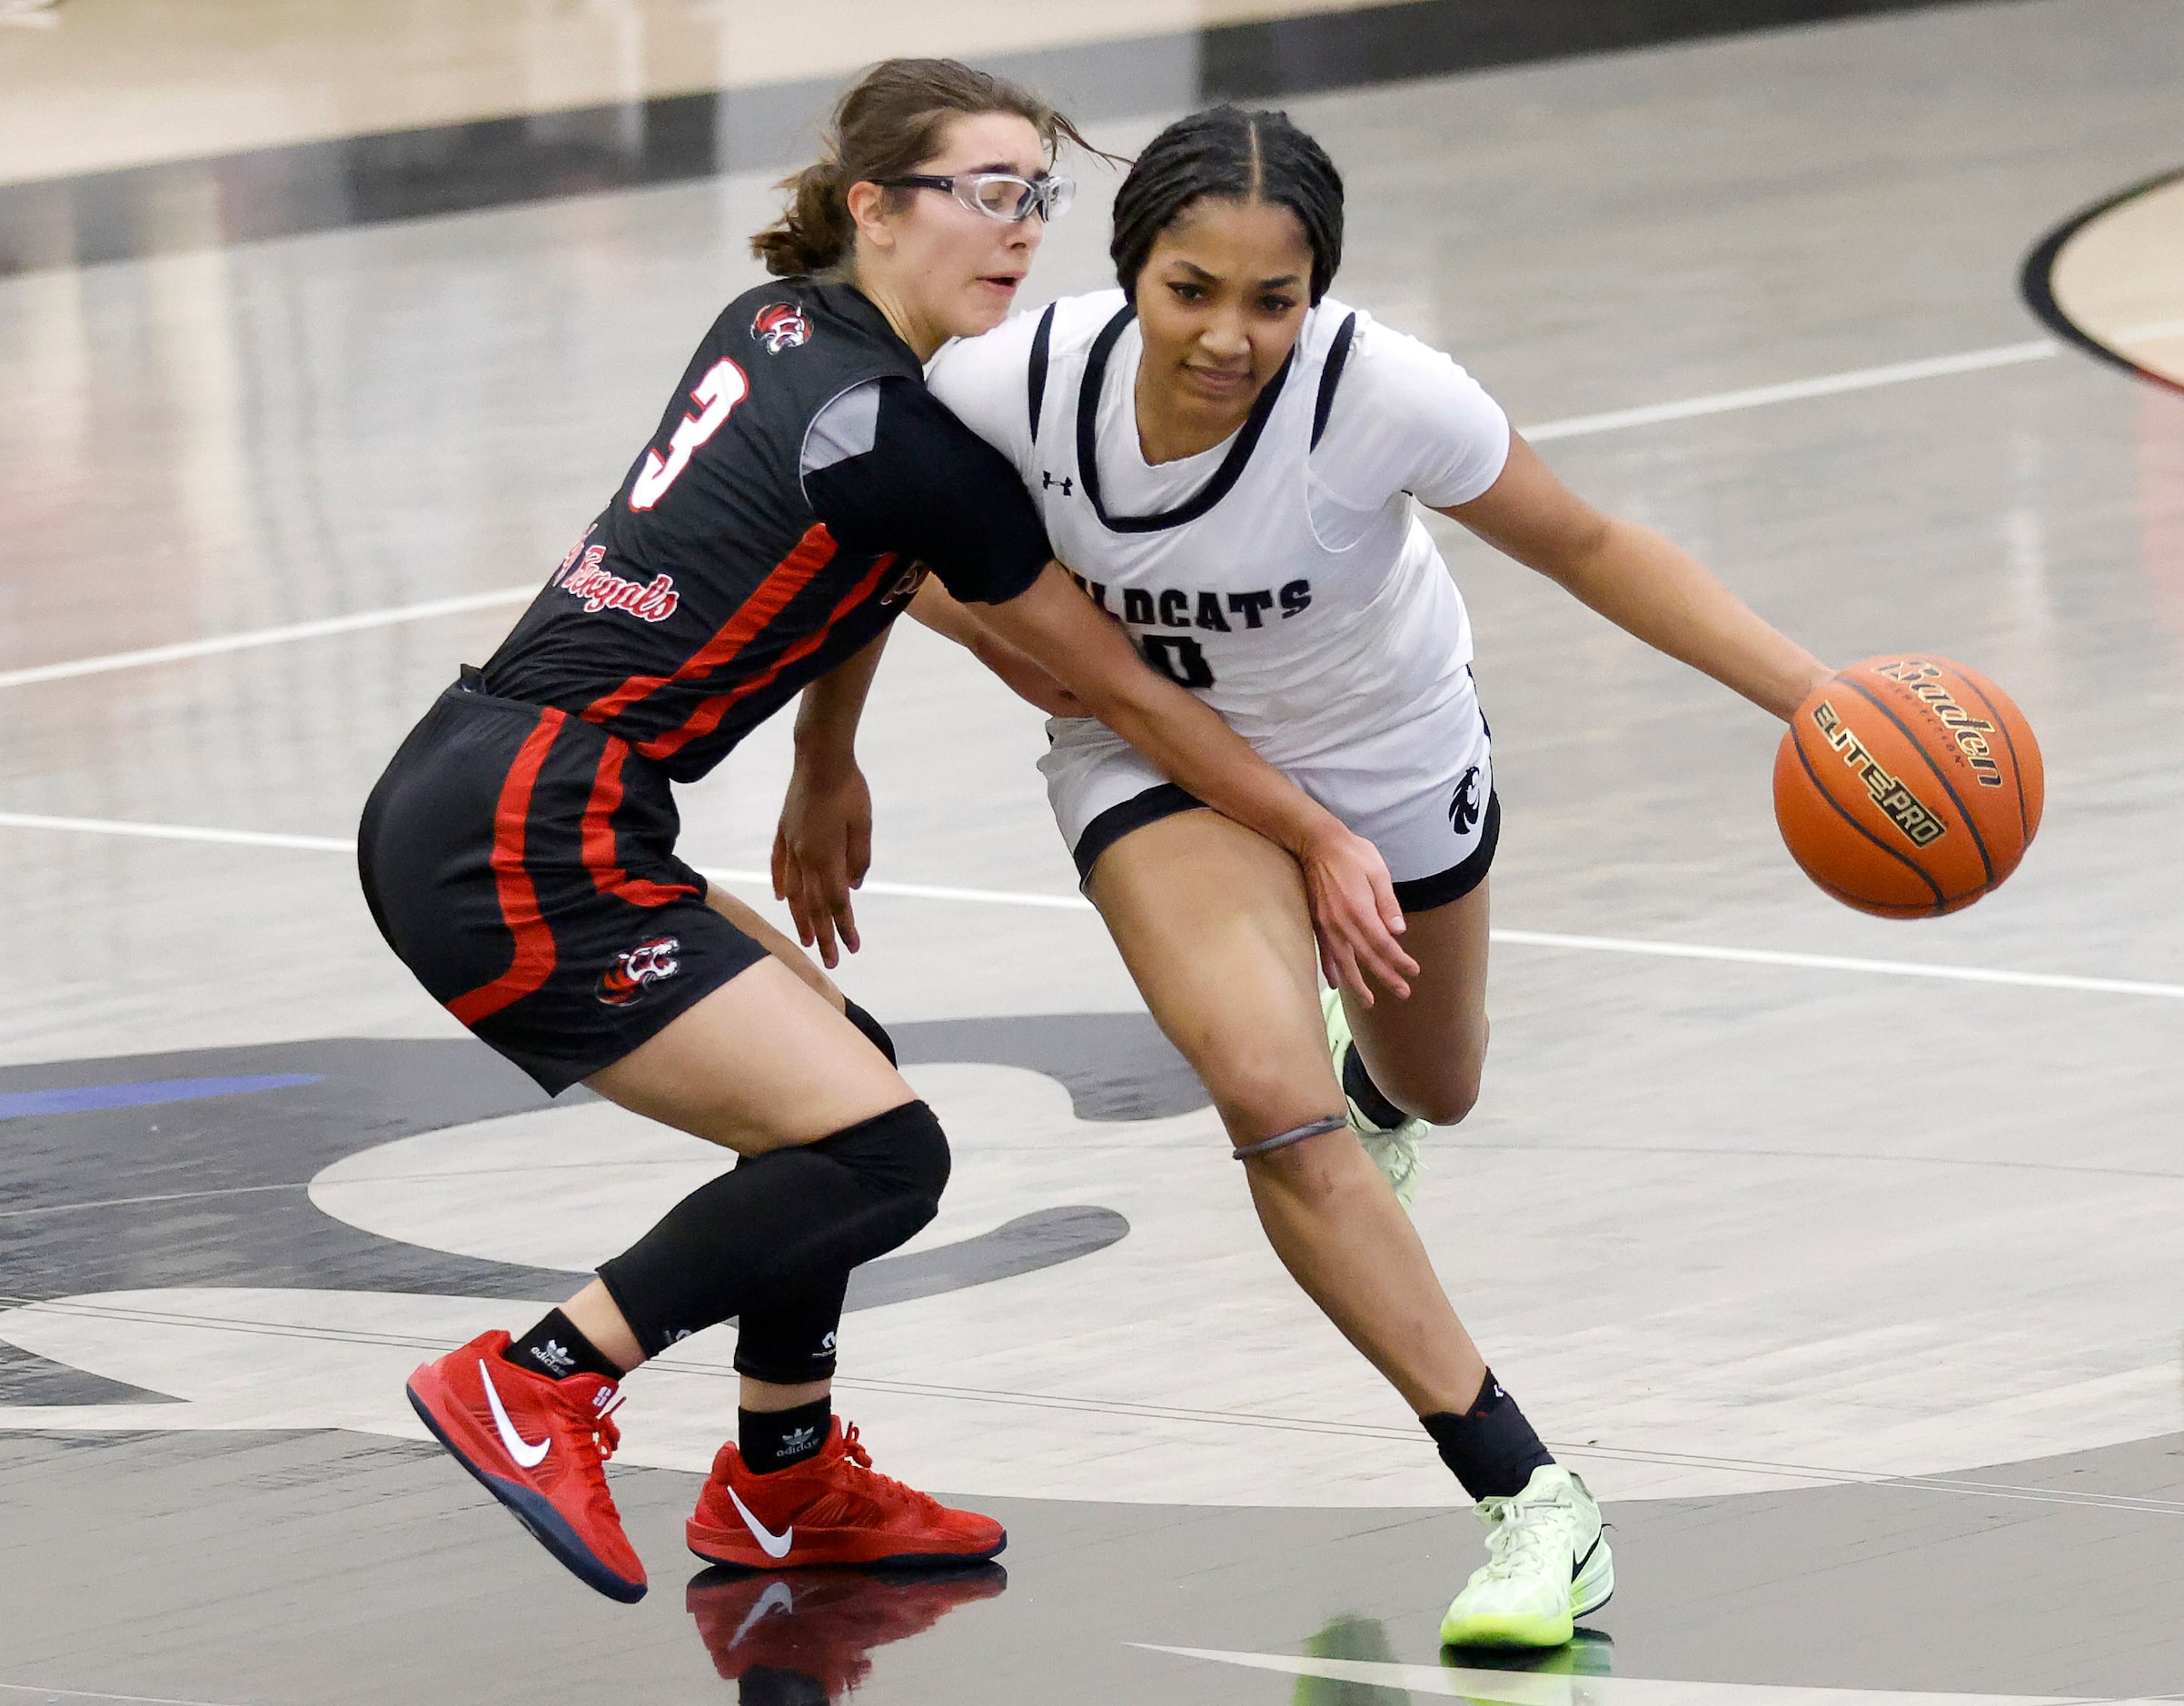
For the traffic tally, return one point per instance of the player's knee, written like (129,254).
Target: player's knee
(1257,1093)
(903,1155)
(1446,1093)
(1448,1098)
(1311,1170)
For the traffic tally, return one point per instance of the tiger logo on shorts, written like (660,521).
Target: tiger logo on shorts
(634,972)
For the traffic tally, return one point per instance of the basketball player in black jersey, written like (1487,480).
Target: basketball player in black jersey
(518,854)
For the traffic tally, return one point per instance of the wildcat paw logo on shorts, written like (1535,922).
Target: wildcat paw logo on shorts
(1464,804)
(780,326)
(633,973)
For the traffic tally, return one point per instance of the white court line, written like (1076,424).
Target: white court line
(1515,1688)
(1078,903)
(267,636)
(165,1196)
(925,892)
(83,1693)
(1794,391)
(1546,432)
(178,832)
(1837,962)
(1830,384)
(338,844)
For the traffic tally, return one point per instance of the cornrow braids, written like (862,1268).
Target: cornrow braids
(1228,154)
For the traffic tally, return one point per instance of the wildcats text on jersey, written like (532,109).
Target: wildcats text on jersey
(1178,606)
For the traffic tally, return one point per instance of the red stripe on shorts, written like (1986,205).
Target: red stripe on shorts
(783,582)
(534,956)
(707,717)
(607,874)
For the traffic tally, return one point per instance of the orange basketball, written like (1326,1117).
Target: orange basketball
(1908,786)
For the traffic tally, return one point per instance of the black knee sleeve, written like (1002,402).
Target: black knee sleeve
(781,1233)
(903,1151)
(875,1032)
(792,1342)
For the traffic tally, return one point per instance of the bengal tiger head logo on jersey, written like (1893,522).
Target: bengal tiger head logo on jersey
(905,584)
(780,326)
(634,972)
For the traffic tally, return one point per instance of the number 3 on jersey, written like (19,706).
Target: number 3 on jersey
(722,388)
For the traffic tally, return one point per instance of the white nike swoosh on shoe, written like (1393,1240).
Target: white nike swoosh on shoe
(778,1601)
(772,1544)
(527,1455)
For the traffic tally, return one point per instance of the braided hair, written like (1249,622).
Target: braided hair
(1227,154)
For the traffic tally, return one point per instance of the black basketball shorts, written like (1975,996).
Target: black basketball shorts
(521,862)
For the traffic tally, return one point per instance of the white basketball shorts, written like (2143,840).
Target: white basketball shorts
(1422,792)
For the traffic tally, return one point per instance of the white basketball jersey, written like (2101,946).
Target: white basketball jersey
(1284,574)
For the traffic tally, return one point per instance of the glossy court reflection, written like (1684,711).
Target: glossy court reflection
(1354,1644)
(803,1637)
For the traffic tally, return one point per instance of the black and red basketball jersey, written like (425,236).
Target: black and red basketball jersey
(720,581)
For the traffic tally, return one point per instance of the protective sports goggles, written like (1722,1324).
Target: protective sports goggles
(1000,195)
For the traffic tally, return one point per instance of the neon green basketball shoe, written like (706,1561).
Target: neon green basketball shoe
(1547,1565)
(1396,1153)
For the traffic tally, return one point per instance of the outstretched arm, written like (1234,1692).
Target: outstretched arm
(823,846)
(944,616)
(1353,907)
(1646,585)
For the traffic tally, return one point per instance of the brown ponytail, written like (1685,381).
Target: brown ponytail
(815,231)
(890,122)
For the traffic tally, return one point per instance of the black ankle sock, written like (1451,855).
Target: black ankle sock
(776,1439)
(1358,1086)
(1490,1448)
(873,1029)
(555,1347)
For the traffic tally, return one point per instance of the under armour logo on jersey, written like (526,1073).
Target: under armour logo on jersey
(1047,481)
(1463,805)
(780,326)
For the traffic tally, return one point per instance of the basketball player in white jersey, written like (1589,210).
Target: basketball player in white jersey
(1225,457)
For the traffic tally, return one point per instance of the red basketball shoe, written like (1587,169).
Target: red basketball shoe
(831,1509)
(540,1447)
(820,1626)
